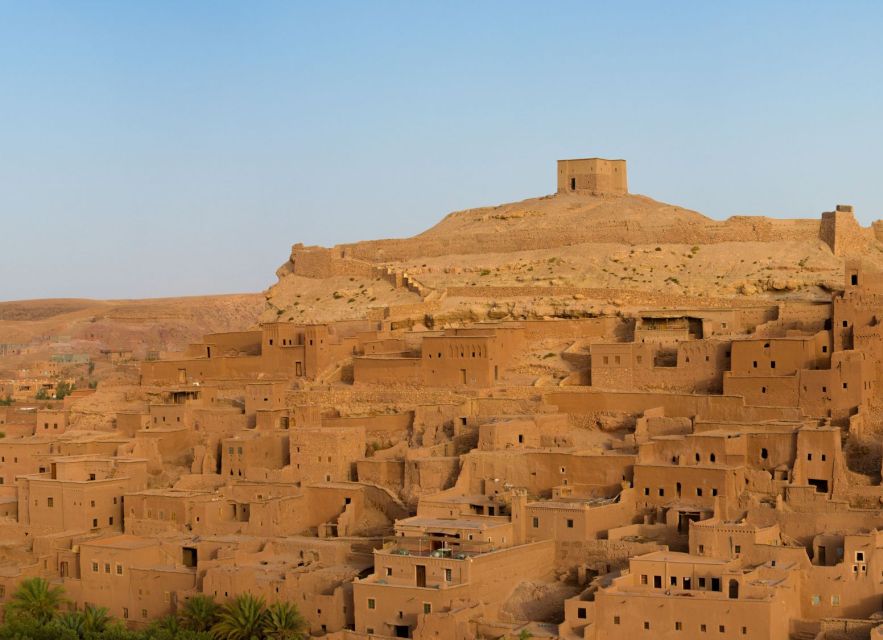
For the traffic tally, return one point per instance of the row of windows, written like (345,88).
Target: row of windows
(687,583)
(679,626)
(372,604)
(699,491)
(50,502)
(536,523)
(462,354)
(119,568)
(817,600)
(173,516)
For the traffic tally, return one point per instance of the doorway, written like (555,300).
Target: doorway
(421,575)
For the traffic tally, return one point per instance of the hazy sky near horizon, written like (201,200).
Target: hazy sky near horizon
(175,148)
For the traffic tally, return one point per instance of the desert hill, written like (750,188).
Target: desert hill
(573,254)
(88,326)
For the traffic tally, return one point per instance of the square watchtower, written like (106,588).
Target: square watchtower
(592,176)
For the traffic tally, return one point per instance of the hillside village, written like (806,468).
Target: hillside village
(649,424)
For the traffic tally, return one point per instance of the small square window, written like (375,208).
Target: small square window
(371,603)
(569,524)
(615,619)
(646,625)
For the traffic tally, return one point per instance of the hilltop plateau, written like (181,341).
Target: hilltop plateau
(572,255)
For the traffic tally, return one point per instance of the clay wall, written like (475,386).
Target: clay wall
(781,356)
(618,615)
(134,578)
(387,370)
(265,396)
(540,471)
(251,458)
(21,457)
(47,505)
(565,522)
(699,485)
(460,361)
(384,473)
(725,407)
(130,422)
(51,422)
(490,577)
(324,454)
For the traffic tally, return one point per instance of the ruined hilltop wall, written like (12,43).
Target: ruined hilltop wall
(842,232)
(649,231)
(321,262)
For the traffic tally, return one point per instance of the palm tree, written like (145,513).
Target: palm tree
(70,621)
(199,613)
(95,619)
(241,619)
(165,628)
(36,599)
(284,622)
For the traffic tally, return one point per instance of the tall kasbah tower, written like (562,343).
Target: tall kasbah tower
(593,176)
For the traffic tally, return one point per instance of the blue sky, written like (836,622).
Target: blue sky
(173,148)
